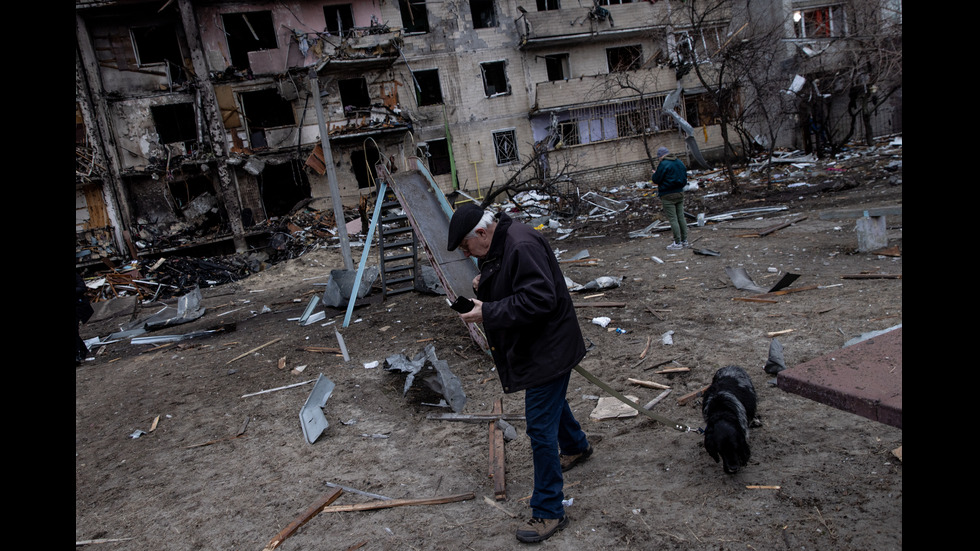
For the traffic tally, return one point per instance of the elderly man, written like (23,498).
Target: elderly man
(535,340)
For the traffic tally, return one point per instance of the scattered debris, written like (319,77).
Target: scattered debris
(386,504)
(278,388)
(444,382)
(612,408)
(775,363)
(295,525)
(743,282)
(311,417)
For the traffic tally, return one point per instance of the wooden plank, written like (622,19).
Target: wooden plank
(497,461)
(474,418)
(372,505)
(860,213)
(647,384)
(295,525)
(688,397)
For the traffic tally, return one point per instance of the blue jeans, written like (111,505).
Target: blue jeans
(551,427)
(674,209)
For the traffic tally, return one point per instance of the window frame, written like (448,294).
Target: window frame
(489,70)
(503,141)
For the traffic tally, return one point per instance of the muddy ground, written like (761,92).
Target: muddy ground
(225,468)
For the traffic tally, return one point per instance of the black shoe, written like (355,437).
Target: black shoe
(540,529)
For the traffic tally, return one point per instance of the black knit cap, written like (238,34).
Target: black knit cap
(462,223)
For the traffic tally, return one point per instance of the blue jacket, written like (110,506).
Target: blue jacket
(670,176)
(528,315)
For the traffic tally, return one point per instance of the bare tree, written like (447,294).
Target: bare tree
(853,67)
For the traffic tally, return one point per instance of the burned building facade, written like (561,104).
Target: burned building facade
(202,120)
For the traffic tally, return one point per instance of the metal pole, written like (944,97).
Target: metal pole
(338,207)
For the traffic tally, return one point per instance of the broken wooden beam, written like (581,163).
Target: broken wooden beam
(647,384)
(497,460)
(295,525)
(872,276)
(256,349)
(372,505)
(688,397)
(474,418)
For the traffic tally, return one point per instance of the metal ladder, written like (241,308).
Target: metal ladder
(398,248)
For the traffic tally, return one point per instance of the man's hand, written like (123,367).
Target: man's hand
(476,281)
(476,314)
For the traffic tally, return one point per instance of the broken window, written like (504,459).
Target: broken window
(156,44)
(700,46)
(505,146)
(339,18)
(175,122)
(495,78)
(265,109)
(484,13)
(568,131)
(548,5)
(624,58)
(415,16)
(282,187)
(557,65)
(823,22)
(428,90)
(438,153)
(248,32)
(186,190)
(354,95)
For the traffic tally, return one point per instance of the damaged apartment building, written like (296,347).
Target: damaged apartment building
(199,121)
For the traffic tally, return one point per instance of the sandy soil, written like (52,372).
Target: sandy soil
(223,469)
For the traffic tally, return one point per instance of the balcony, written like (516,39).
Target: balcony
(577,92)
(569,26)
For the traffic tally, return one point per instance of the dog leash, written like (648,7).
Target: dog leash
(616,394)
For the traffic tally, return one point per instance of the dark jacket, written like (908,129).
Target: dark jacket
(670,176)
(528,316)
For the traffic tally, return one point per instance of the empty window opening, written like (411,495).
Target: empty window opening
(505,146)
(569,133)
(248,32)
(429,91)
(823,22)
(354,95)
(548,5)
(439,162)
(157,44)
(415,16)
(557,65)
(484,13)
(624,58)
(495,78)
(282,187)
(339,18)
(186,190)
(265,109)
(362,163)
(175,122)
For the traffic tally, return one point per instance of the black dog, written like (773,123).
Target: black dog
(728,408)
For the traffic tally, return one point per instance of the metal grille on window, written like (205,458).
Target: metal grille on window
(505,144)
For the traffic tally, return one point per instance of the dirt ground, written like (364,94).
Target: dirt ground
(225,468)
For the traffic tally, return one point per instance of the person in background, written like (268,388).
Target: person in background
(535,340)
(671,177)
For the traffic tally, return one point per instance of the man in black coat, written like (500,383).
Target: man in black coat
(535,340)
